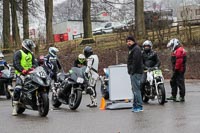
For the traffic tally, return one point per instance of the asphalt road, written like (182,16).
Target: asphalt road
(170,118)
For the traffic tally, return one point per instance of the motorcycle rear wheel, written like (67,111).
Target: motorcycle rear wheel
(54,101)
(161,94)
(75,99)
(43,104)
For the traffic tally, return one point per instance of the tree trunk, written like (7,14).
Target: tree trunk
(6,24)
(49,15)
(15,27)
(87,25)
(139,18)
(25,19)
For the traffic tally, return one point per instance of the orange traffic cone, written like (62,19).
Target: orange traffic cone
(103,104)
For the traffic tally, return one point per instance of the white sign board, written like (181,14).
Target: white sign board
(119,83)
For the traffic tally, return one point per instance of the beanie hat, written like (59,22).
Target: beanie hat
(130,38)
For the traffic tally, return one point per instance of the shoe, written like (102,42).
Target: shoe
(15,106)
(181,99)
(140,109)
(135,110)
(171,98)
(92,105)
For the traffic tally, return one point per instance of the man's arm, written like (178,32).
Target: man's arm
(16,61)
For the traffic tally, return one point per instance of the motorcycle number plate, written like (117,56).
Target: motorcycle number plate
(157,73)
(80,80)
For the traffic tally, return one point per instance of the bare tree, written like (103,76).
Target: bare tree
(15,27)
(6,24)
(49,15)
(139,18)
(25,19)
(87,25)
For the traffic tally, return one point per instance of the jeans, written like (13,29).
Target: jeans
(18,87)
(135,82)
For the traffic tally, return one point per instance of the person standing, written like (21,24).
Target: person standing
(178,60)
(135,70)
(91,74)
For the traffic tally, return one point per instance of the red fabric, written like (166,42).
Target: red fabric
(179,55)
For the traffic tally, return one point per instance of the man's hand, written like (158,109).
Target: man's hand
(24,72)
(31,69)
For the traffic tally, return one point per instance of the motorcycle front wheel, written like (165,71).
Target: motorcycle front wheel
(161,94)
(75,99)
(43,104)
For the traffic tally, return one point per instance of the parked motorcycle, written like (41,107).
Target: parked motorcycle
(6,80)
(68,89)
(34,94)
(104,84)
(154,86)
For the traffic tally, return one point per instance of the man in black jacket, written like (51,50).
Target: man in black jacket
(150,60)
(135,70)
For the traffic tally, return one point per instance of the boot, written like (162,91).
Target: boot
(10,89)
(94,103)
(15,107)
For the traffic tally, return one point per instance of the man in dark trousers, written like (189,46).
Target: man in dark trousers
(178,59)
(135,70)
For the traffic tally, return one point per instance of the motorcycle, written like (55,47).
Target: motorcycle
(68,88)
(104,84)
(154,86)
(5,82)
(35,91)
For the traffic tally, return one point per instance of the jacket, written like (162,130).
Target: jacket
(134,61)
(150,59)
(178,59)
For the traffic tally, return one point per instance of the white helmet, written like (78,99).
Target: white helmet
(173,43)
(53,51)
(81,58)
(149,44)
(1,55)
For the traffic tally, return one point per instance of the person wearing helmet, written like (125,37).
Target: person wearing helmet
(80,61)
(150,60)
(91,74)
(3,62)
(178,60)
(23,62)
(52,63)
(135,70)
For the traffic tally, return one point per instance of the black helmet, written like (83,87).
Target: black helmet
(87,51)
(28,44)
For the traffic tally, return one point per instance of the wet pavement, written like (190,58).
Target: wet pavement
(171,118)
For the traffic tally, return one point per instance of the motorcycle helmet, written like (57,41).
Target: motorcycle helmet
(87,51)
(81,58)
(28,44)
(53,51)
(147,45)
(173,43)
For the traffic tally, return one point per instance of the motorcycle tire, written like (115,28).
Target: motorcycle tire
(43,104)
(75,100)
(20,110)
(145,99)
(54,101)
(7,93)
(161,94)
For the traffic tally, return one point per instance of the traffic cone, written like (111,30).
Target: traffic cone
(103,104)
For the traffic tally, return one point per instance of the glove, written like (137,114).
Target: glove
(24,72)
(31,69)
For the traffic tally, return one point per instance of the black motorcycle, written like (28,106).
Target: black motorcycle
(5,79)
(34,94)
(68,89)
